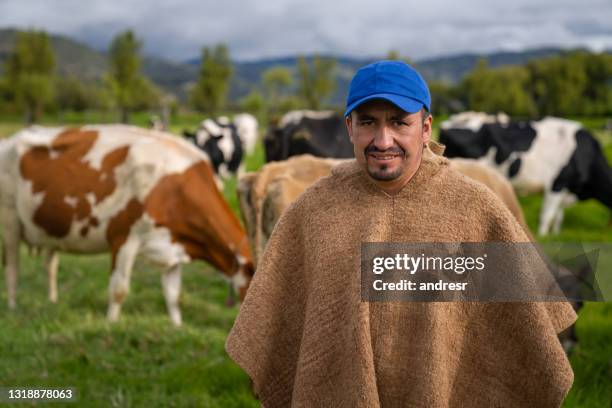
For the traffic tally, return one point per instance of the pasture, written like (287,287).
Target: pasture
(144,361)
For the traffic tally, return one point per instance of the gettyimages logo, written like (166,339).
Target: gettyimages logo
(485,272)
(412,264)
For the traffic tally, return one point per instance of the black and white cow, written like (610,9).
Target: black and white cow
(553,155)
(220,140)
(319,133)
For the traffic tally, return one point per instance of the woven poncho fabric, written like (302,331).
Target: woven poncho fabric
(306,339)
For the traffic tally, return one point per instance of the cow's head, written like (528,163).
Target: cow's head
(219,140)
(209,143)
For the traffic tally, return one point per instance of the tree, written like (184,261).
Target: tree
(127,85)
(598,89)
(30,72)
(75,95)
(577,83)
(146,95)
(276,82)
(253,103)
(209,93)
(494,90)
(5,95)
(444,97)
(316,80)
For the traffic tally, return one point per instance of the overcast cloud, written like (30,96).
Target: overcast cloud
(255,29)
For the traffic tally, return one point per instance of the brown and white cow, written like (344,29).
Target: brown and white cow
(131,191)
(264,195)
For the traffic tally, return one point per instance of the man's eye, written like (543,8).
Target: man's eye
(399,123)
(366,122)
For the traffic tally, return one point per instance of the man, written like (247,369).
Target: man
(303,334)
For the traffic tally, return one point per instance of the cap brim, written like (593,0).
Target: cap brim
(404,103)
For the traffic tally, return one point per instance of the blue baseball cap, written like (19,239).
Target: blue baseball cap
(394,81)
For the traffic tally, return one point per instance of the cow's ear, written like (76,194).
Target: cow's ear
(188,134)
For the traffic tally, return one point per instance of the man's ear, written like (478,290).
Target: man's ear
(348,123)
(427,129)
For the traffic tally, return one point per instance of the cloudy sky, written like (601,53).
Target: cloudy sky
(254,29)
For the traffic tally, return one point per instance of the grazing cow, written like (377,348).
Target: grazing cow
(121,189)
(219,139)
(319,133)
(552,155)
(247,127)
(264,195)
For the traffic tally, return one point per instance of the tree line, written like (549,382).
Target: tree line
(30,83)
(573,83)
(31,86)
(576,83)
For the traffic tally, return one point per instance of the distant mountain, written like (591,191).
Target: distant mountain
(450,69)
(453,68)
(75,58)
(72,57)
(81,61)
(247,75)
(171,76)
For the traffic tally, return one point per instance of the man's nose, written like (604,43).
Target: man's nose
(383,139)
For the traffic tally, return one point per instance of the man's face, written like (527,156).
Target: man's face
(388,142)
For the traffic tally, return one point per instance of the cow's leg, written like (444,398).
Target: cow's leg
(120,279)
(556,228)
(553,202)
(568,200)
(171,283)
(11,237)
(51,264)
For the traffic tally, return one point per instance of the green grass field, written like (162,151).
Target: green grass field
(144,361)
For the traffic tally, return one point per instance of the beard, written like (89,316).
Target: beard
(383,172)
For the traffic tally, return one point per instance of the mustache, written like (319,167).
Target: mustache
(392,150)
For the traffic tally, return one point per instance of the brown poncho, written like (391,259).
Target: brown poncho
(306,339)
